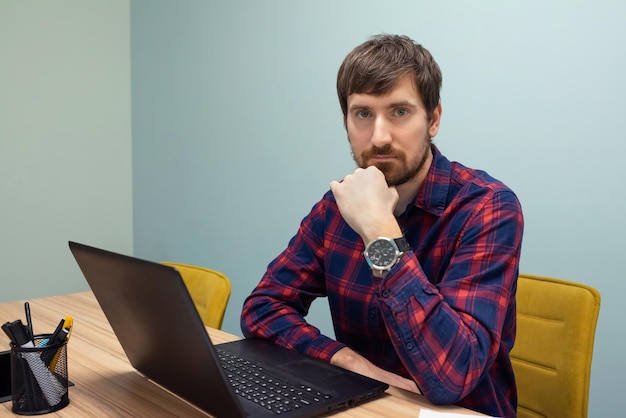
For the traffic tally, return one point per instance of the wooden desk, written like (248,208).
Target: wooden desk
(106,385)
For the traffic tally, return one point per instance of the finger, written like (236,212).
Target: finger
(334,185)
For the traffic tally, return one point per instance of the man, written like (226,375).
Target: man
(418,256)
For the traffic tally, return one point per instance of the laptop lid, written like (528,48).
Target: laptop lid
(164,338)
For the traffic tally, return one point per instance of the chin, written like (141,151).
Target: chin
(398,179)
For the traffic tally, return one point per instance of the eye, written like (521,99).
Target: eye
(362,114)
(402,112)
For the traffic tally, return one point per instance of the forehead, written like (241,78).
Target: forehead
(403,91)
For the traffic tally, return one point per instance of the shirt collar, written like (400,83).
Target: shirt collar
(433,194)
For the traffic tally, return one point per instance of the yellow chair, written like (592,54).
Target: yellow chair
(209,289)
(556,324)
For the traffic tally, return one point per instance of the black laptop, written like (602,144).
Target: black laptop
(156,322)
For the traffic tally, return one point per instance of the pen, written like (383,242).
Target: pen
(53,339)
(55,334)
(29,322)
(66,330)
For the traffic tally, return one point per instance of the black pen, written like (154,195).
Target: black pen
(48,355)
(29,322)
(55,335)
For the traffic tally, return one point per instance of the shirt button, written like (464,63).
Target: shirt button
(409,346)
(386,293)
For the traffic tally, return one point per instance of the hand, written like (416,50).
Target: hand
(367,203)
(348,359)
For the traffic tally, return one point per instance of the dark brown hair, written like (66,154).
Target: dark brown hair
(376,65)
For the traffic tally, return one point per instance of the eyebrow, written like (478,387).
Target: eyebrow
(401,103)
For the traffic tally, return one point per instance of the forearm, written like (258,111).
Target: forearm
(350,360)
(284,325)
(446,343)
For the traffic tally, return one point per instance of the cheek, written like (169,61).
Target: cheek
(356,146)
(358,135)
(355,138)
(417,134)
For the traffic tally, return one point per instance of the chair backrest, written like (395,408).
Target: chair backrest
(209,289)
(556,324)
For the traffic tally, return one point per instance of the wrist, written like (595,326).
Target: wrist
(391,230)
(350,360)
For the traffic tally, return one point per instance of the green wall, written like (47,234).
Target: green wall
(65,139)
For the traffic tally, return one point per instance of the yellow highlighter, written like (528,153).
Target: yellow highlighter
(64,335)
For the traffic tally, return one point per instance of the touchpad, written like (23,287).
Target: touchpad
(310,370)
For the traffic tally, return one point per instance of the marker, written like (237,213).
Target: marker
(8,329)
(69,325)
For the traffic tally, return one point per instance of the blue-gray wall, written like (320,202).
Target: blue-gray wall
(237,131)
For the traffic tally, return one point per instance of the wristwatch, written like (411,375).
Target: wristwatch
(383,253)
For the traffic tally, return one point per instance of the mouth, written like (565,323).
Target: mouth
(382,158)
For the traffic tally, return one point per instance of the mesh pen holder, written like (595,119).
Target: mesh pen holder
(39,379)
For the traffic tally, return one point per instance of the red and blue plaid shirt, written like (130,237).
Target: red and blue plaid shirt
(443,316)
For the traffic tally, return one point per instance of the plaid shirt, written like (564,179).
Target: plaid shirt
(443,316)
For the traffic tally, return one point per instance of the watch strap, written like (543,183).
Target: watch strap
(402,244)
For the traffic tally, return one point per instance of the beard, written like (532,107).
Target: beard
(397,172)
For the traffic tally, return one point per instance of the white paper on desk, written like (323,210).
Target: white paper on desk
(429,413)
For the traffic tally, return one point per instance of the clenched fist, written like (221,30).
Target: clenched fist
(367,203)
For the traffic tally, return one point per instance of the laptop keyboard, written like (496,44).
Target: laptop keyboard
(251,382)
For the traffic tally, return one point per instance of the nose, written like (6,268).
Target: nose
(381,134)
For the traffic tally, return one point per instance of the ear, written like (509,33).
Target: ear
(434,121)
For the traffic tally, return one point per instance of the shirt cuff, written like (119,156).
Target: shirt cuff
(324,348)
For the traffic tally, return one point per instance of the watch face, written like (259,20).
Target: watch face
(381,254)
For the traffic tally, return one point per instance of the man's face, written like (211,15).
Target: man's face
(392,131)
